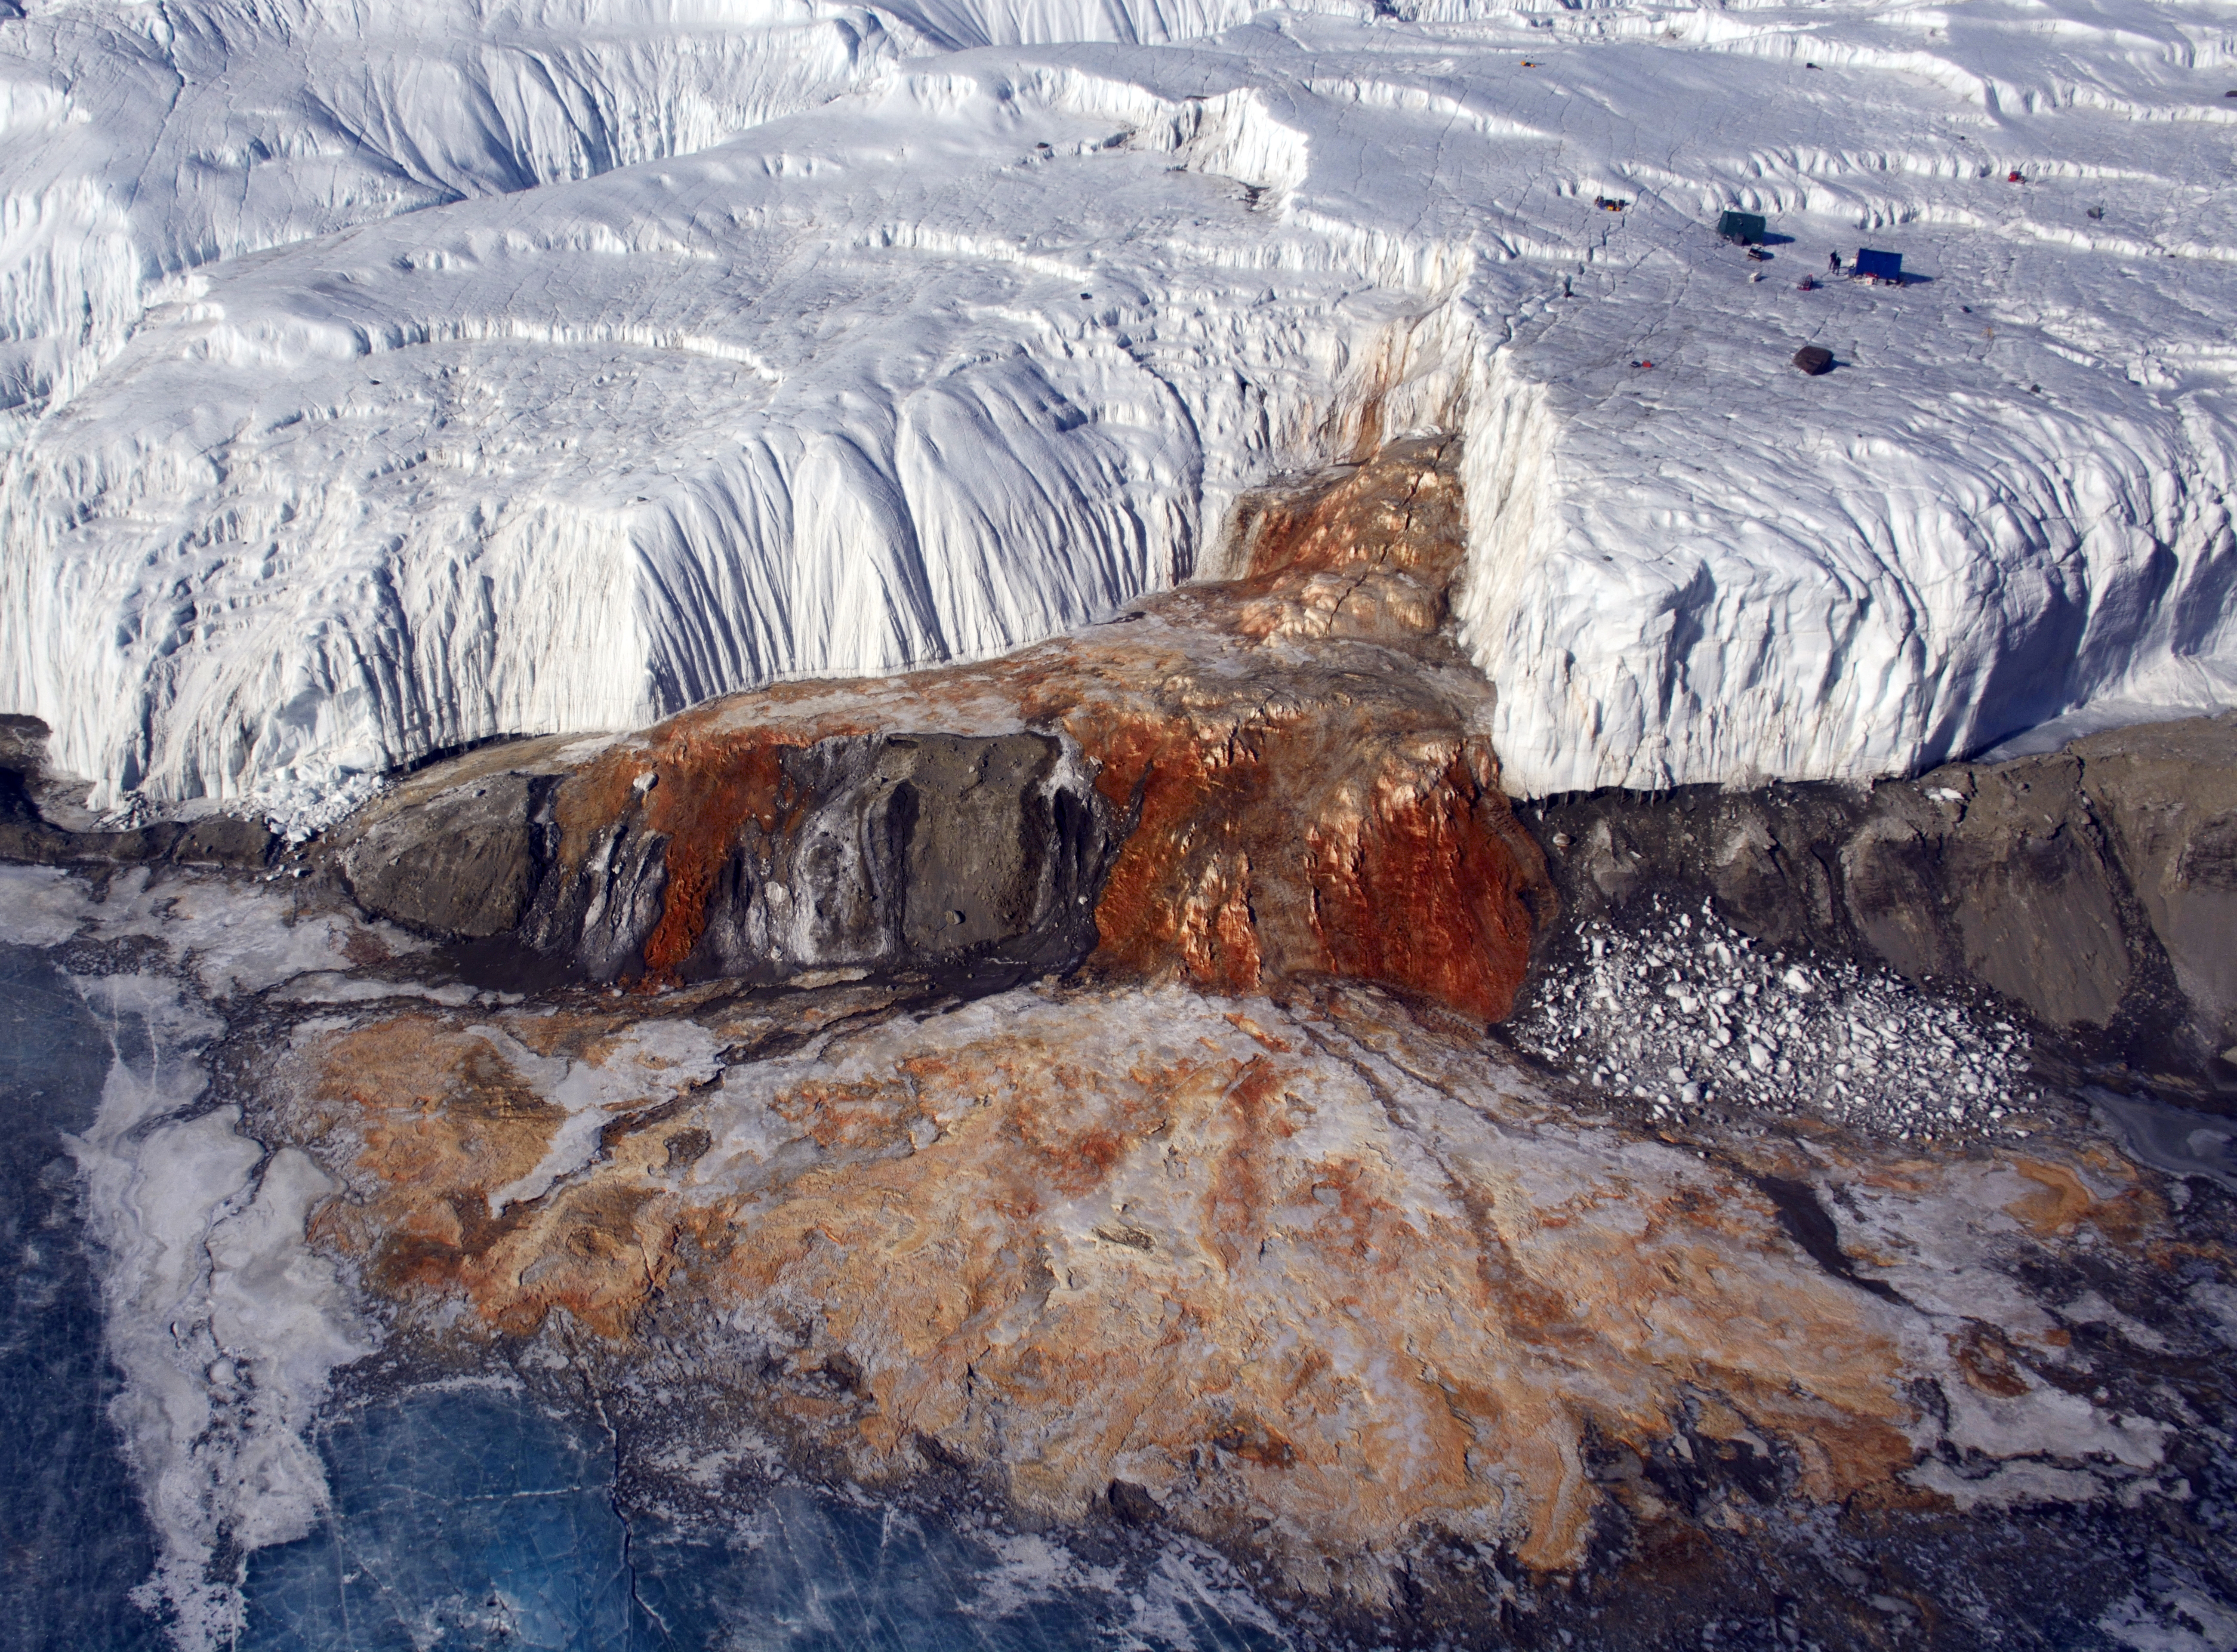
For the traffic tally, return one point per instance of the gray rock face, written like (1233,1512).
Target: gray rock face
(216,840)
(2009,881)
(2097,887)
(621,890)
(931,852)
(2167,794)
(464,862)
(918,849)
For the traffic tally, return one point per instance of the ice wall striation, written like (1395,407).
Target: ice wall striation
(377,386)
(1876,603)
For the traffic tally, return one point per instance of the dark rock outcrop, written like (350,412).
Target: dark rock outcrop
(889,851)
(28,836)
(464,863)
(885,851)
(223,841)
(2096,886)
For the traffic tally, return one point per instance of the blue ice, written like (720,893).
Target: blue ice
(467,1517)
(73,1541)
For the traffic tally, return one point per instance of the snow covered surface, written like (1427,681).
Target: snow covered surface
(375,379)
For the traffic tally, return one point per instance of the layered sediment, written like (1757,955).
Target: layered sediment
(1326,1279)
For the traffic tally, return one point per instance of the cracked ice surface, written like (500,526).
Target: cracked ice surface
(369,385)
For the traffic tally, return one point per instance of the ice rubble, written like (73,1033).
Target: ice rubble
(1683,1015)
(378,381)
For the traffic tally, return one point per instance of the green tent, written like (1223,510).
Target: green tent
(1746,227)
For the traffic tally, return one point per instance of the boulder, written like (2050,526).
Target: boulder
(463,863)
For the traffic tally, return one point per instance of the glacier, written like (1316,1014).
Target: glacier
(374,381)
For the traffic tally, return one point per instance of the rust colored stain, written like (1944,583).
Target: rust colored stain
(1401,512)
(1429,893)
(2063,1202)
(1290,754)
(1299,824)
(1307,1300)
(593,797)
(1257,856)
(708,788)
(1178,892)
(1238,1200)
(439,1119)
(1986,1362)
(1255,1441)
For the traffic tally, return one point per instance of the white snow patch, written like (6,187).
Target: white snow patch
(1996,1485)
(331,987)
(1029,1568)
(1189,1584)
(41,906)
(2216,1305)
(1166,1605)
(2048,1421)
(2182,1619)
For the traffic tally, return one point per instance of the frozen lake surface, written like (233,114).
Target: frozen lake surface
(481,1516)
(73,1541)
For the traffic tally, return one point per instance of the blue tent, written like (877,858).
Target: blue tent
(1881,267)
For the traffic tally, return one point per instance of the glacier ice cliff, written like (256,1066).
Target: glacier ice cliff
(370,385)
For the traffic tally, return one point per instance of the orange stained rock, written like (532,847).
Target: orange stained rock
(1429,888)
(1318,1269)
(1986,1362)
(1179,896)
(2062,1201)
(704,796)
(1299,798)
(428,1119)
(1400,512)
(1118,1234)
